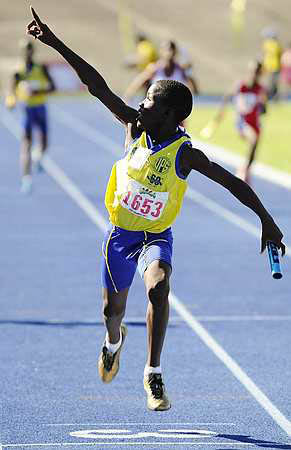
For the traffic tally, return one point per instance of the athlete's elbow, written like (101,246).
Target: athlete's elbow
(92,89)
(237,186)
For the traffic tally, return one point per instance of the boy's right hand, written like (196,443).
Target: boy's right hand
(40,30)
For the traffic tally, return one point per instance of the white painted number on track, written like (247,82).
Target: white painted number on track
(127,434)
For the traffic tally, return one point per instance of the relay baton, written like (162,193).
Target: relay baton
(274,260)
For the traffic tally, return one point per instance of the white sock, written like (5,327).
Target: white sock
(26,178)
(113,347)
(149,369)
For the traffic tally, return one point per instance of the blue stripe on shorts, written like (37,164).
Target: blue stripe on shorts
(123,251)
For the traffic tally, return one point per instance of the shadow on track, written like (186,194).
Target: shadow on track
(249,440)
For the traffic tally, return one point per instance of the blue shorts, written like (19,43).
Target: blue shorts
(35,116)
(123,251)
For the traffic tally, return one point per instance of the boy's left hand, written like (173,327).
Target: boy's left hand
(271,232)
(40,30)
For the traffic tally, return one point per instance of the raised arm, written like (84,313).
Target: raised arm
(197,160)
(96,84)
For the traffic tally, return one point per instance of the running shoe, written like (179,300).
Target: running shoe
(26,185)
(108,363)
(157,399)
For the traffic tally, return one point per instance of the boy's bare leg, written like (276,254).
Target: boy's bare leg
(25,155)
(43,144)
(252,138)
(25,164)
(114,305)
(156,279)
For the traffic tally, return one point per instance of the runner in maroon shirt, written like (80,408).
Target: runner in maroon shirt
(249,98)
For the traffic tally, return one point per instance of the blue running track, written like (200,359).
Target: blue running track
(226,361)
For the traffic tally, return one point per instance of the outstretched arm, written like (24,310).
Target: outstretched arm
(197,160)
(10,99)
(96,84)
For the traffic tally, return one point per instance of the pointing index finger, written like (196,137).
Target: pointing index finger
(35,16)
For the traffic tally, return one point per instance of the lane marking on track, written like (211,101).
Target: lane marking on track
(215,152)
(263,171)
(242,318)
(231,364)
(100,139)
(148,444)
(210,342)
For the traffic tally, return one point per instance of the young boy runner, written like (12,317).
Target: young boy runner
(143,197)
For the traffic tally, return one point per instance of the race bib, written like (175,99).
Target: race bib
(144,202)
(246,102)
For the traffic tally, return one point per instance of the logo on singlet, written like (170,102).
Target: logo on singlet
(162,165)
(155,179)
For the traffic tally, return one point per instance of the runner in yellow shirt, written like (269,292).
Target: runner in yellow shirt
(144,195)
(30,86)
(272,52)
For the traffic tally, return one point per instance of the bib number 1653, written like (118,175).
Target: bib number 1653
(142,205)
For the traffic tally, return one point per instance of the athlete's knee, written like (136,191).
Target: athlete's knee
(158,289)
(113,306)
(26,141)
(44,141)
(111,310)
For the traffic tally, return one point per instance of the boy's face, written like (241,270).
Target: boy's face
(152,111)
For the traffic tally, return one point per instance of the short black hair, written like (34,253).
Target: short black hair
(175,95)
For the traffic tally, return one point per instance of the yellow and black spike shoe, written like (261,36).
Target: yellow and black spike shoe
(157,399)
(108,363)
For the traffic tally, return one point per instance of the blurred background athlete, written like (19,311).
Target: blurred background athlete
(166,68)
(30,86)
(272,51)
(249,98)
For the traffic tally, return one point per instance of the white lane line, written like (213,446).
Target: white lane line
(261,398)
(72,190)
(148,444)
(231,217)
(242,318)
(87,131)
(215,152)
(99,139)
(230,363)
(263,171)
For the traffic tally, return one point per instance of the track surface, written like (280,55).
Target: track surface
(51,325)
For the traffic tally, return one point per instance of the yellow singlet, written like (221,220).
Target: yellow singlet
(147,54)
(145,190)
(272,55)
(33,80)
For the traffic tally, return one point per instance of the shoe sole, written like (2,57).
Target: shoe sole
(159,409)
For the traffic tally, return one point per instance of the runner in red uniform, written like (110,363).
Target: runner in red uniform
(249,98)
